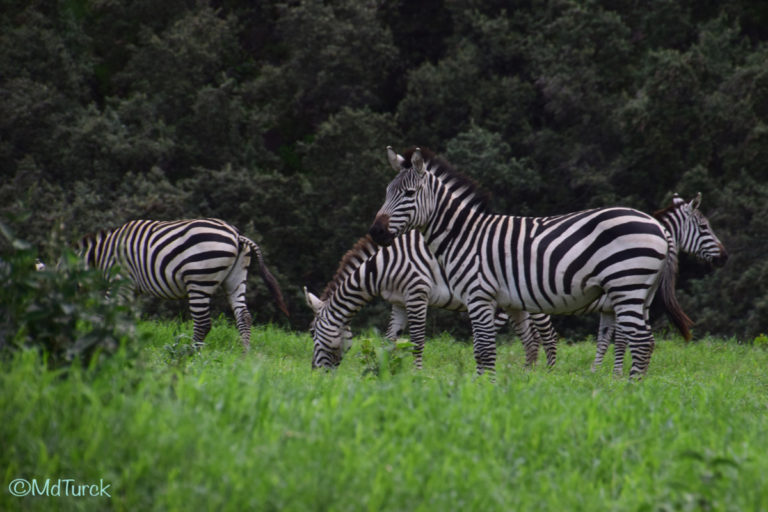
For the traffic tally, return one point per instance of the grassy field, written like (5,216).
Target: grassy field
(223,431)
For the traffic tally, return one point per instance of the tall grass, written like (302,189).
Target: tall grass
(261,431)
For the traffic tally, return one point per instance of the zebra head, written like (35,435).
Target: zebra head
(408,203)
(695,233)
(330,341)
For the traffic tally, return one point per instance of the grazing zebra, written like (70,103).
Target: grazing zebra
(691,233)
(184,258)
(406,274)
(553,265)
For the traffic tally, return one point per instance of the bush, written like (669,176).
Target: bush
(761,341)
(387,359)
(64,312)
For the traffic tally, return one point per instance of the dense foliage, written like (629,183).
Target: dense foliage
(65,312)
(274,115)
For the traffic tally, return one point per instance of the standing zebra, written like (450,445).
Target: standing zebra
(691,233)
(553,265)
(184,258)
(406,274)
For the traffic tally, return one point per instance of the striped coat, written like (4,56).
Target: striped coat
(184,259)
(407,275)
(554,265)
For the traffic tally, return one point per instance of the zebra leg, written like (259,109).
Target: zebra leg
(641,351)
(481,314)
(200,308)
(604,335)
(397,322)
(234,286)
(529,337)
(125,293)
(417,319)
(638,337)
(501,320)
(619,349)
(243,320)
(547,334)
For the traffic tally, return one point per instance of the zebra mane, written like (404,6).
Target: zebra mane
(363,249)
(449,175)
(660,214)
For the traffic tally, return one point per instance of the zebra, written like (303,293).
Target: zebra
(180,259)
(406,274)
(691,233)
(555,265)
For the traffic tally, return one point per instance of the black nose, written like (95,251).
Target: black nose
(380,231)
(720,260)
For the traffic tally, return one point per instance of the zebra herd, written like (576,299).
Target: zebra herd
(610,260)
(434,243)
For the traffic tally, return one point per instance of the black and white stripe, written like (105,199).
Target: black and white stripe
(406,274)
(553,265)
(691,233)
(184,258)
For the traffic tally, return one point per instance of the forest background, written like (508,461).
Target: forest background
(275,116)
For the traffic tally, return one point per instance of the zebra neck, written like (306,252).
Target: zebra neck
(450,221)
(354,292)
(671,224)
(105,250)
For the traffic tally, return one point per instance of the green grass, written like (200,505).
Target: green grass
(224,431)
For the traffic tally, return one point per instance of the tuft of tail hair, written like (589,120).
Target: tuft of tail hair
(667,290)
(266,275)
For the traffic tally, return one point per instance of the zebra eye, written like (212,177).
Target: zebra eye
(410,192)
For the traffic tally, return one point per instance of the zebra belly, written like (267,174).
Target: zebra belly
(393,296)
(560,305)
(440,297)
(443,297)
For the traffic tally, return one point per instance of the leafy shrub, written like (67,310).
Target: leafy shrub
(178,352)
(761,341)
(388,359)
(63,311)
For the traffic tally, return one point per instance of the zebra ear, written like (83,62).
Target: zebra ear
(696,202)
(676,199)
(312,301)
(395,160)
(417,161)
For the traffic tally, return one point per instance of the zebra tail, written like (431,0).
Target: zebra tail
(266,275)
(667,290)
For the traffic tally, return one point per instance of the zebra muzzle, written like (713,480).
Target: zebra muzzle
(721,258)
(380,230)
